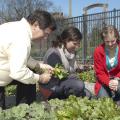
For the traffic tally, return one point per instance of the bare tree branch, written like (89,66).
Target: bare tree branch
(16,9)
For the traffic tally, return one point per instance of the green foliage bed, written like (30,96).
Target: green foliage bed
(72,108)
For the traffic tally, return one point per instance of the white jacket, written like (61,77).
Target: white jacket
(15,46)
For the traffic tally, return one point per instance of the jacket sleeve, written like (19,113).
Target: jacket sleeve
(32,63)
(100,72)
(118,74)
(18,58)
(53,59)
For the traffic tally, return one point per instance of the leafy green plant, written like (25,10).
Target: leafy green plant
(60,72)
(73,108)
(76,108)
(10,90)
(87,76)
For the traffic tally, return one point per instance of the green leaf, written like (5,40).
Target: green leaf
(60,72)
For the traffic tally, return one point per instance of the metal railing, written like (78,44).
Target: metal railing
(90,26)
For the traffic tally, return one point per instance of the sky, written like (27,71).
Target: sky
(78,5)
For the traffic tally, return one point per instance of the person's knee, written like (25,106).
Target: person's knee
(79,85)
(78,88)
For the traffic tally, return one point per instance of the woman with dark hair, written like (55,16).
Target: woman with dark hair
(107,64)
(63,52)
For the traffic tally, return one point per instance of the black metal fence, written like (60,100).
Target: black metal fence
(90,26)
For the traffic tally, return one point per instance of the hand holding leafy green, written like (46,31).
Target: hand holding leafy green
(58,72)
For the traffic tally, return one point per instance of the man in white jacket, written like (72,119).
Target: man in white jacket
(15,46)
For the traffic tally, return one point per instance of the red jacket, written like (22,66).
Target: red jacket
(101,73)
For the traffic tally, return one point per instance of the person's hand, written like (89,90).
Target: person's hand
(41,68)
(46,67)
(45,78)
(113,84)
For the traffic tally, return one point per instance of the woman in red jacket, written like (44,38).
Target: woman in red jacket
(107,64)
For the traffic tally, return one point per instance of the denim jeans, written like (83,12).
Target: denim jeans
(70,86)
(2,97)
(106,92)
